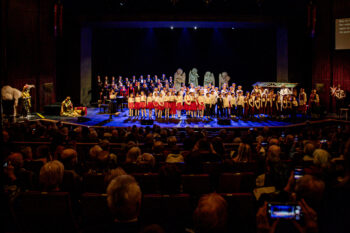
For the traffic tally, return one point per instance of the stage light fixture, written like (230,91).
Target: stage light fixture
(195,28)
(172,27)
(233,28)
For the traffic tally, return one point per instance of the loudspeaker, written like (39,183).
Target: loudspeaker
(147,122)
(224,122)
(83,119)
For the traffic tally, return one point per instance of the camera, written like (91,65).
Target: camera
(284,211)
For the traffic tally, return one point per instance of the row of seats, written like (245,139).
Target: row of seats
(52,212)
(191,183)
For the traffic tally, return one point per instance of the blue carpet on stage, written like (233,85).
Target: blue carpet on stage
(95,118)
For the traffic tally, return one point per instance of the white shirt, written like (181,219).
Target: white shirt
(200,99)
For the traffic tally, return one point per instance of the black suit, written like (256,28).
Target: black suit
(220,104)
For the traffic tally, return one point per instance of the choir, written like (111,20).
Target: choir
(157,98)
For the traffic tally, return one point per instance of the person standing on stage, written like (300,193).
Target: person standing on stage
(150,104)
(207,103)
(302,102)
(137,104)
(201,105)
(246,104)
(143,106)
(240,103)
(233,104)
(314,104)
(257,105)
(131,104)
(339,96)
(251,105)
(160,105)
(294,107)
(134,80)
(155,104)
(213,102)
(226,105)
(167,104)
(187,103)
(220,105)
(179,103)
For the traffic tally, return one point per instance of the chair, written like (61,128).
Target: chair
(94,211)
(236,182)
(245,167)
(94,183)
(241,212)
(149,182)
(44,212)
(196,184)
(173,212)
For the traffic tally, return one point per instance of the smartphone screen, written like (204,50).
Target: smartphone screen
(283,210)
(298,173)
(5,164)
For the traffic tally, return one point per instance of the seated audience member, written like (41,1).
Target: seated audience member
(124,201)
(309,149)
(69,158)
(132,155)
(308,193)
(277,173)
(94,151)
(337,201)
(170,178)
(218,146)
(43,153)
(146,162)
(51,176)
(321,158)
(16,177)
(174,156)
(158,151)
(111,174)
(244,153)
(210,216)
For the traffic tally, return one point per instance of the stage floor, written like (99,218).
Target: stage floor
(96,119)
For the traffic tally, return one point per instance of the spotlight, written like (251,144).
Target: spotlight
(233,28)
(172,27)
(195,27)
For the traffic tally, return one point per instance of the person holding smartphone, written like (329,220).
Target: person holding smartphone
(300,214)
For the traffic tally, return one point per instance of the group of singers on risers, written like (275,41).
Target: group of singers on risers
(157,97)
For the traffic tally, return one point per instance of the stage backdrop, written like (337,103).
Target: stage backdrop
(248,55)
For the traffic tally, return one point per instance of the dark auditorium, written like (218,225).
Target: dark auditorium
(175,116)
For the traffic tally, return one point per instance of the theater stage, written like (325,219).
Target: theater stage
(97,119)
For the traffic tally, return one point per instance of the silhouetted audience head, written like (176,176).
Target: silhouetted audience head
(273,154)
(51,175)
(133,154)
(211,214)
(124,198)
(69,158)
(111,174)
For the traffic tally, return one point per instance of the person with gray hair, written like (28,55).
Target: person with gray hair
(51,175)
(210,216)
(124,201)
